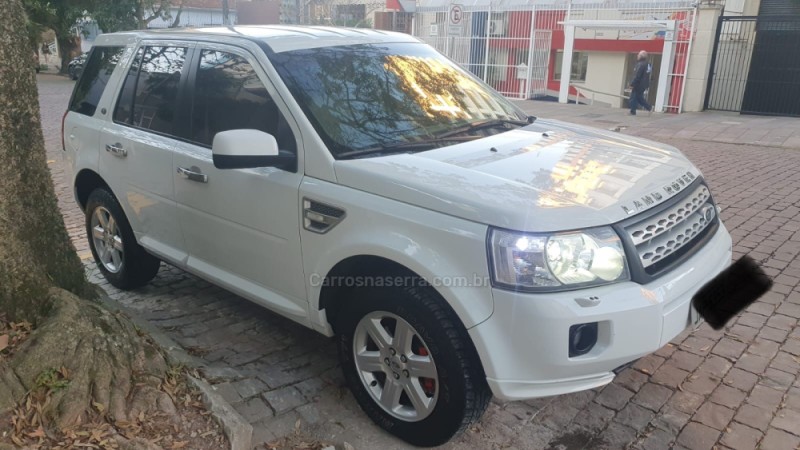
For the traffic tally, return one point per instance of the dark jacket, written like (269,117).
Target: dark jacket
(641,77)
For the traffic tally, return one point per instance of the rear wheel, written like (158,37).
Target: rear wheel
(122,261)
(410,364)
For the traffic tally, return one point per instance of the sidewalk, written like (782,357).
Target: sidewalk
(707,126)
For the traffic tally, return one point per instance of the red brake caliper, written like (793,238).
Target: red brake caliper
(428,384)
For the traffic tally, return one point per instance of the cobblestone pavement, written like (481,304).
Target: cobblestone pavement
(735,388)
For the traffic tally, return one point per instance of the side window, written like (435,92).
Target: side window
(228,95)
(149,94)
(96,72)
(122,112)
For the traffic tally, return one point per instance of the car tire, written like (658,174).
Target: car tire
(121,260)
(458,395)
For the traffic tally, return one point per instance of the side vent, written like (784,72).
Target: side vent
(319,217)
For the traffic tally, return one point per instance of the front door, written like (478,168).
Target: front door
(241,226)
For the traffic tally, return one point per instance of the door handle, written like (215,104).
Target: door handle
(116,150)
(193,174)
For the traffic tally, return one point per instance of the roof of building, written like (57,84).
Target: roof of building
(279,37)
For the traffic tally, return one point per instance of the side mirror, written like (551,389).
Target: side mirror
(249,149)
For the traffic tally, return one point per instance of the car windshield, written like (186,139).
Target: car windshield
(362,99)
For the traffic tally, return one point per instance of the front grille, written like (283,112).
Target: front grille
(664,236)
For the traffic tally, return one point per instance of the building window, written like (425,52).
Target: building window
(580,61)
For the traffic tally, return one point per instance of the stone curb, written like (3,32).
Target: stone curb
(238,431)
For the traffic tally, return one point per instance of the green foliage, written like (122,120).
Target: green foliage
(122,15)
(52,380)
(117,15)
(57,15)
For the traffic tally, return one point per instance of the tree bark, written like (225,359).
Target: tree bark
(98,358)
(68,48)
(35,249)
(177,22)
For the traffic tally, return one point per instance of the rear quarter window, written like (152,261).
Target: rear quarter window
(97,70)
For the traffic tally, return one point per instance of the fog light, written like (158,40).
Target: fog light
(582,338)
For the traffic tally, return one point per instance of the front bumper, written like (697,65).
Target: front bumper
(524,344)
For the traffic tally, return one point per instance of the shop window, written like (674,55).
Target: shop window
(580,61)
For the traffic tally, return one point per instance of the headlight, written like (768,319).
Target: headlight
(557,260)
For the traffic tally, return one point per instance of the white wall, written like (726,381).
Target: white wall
(194,17)
(605,72)
(751,7)
(700,59)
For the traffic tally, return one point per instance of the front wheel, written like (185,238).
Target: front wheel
(122,261)
(411,364)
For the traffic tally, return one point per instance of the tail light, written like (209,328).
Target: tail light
(63,119)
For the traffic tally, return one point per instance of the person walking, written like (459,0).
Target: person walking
(640,83)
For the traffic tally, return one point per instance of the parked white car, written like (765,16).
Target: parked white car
(363,185)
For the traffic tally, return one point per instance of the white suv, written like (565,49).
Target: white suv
(365,186)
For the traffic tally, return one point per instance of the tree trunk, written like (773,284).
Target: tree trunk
(225,13)
(68,47)
(86,359)
(35,250)
(177,22)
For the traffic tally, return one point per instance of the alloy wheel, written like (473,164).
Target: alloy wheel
(107,240)
(395,366)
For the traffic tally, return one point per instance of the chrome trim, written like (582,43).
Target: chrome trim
(193,174)
(116,150)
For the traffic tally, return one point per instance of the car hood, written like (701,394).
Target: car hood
(548,176)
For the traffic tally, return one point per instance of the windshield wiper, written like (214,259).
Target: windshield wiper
(451,135)
(402,147)
(491,123)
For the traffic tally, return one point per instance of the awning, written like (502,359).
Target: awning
(401,5)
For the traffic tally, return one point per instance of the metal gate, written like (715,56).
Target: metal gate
(539,63)
(731,57)
(499,46)
(773,84)
(755,66)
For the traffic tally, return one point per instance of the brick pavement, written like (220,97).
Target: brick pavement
(736,388)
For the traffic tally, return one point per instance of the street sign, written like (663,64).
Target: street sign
(456,15)
(455,30)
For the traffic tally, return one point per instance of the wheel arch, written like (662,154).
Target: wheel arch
(349,272)
(86,181)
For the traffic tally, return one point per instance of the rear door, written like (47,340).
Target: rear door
(88,106)
(241,226)
(138,146)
